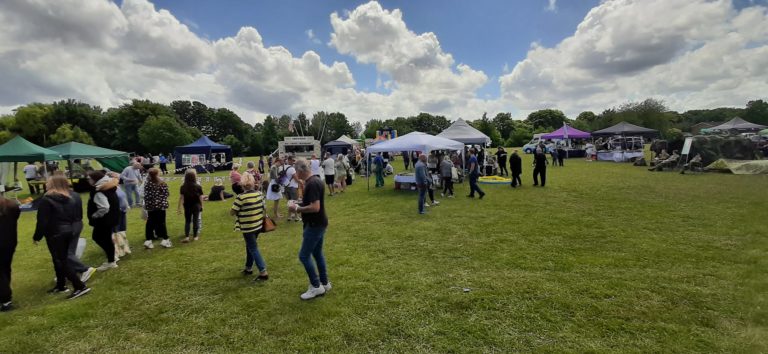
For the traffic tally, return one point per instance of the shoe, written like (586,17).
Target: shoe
(87,274)
(442,195)
(422,213)
(63,290)
(117,259)
(166,243)
(482,195)
(426,205)
(106,266)
(313,292)
(264,277)
(148,244)
(470,196)
(437,202)
(247,272)
(185,240)
(79,293)
(8,306)
(327,287)
(451,196)
(197,238)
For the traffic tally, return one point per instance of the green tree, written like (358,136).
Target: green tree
(486,126)
(521,135)
(163,133)
(65,133)
(546,118)
(269,135)
(33,122)
(588,119)
(757,112)
(77,114)
(372,126)
(5,135)
(234,143)
(427,123)
(121,125)
(504,124)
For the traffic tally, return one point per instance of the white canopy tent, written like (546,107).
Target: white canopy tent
(461,131)
(416,141)
(349,140)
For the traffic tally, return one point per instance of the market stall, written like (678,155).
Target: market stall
(337,147)
(78,156)
(18,150)
(462,132)
(204,155)
(622,142)
(571,138)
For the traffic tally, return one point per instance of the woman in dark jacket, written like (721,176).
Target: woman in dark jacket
(9,215)
(57,217)
(155,203)
(104,214)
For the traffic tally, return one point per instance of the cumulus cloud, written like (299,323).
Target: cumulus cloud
(692,53)
(552,5)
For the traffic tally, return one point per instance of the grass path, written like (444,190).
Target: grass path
(607,257)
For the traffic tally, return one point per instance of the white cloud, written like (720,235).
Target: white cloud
(692,53)
(552,5)
(311,36)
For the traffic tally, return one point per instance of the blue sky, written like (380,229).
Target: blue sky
(485,35)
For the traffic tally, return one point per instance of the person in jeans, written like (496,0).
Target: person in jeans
(163,164)
(56,221)
(249,208)
(421,181)
(446,173)
(104,214)
(155,203)
(9,216)
(315,223)
(474,174)
(119,237)
(191,197)
(131,179)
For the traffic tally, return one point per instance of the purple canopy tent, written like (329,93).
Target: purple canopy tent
(567,132)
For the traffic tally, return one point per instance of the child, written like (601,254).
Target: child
(119,237)
(249,208)
(192,199)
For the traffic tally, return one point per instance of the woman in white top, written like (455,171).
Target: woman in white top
(330,172)
(275,191)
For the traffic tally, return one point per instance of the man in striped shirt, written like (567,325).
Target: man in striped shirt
(249,210)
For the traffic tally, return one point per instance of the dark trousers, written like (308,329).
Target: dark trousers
(560,160)
(155,227)
(448,185)
(6,257)
(516,180)
(540,171)
(72,259)
(406,163)
(102,235)
(473,187)
(32,188)
(422,198)
(59,247)
(191,216)
(164,168)
(503,169)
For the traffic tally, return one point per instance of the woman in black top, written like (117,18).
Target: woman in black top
(56,218)
(192,199)
(9,215)
(218,192)
(104,214)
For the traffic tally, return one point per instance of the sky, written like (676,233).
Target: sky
(383,59)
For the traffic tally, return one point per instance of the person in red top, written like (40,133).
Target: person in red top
(235,177)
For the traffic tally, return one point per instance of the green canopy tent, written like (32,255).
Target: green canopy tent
(111,159)
(18,150)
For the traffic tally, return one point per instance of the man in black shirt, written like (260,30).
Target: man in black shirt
(540,166)
(516,165)
(315,223)
(501,158)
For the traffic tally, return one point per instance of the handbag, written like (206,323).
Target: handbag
(268,225)
(275,188)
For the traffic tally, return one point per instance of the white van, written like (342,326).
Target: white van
(534,143)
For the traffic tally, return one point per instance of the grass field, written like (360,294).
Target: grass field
(607,258)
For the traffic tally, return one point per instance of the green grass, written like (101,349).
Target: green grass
(608,257)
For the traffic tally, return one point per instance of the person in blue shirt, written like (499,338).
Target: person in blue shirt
(378,163)
(474,174)
(421,181)
(163,164)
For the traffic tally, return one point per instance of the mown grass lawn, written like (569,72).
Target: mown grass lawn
(608,257)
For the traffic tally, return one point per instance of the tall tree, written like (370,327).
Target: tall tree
(757,112)
(269,135)
(65,133)
(427,123)
(547,119)
(33,122)
(121,128)
(504,124)
(161,134)
(486,126)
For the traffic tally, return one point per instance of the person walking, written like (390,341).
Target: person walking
(378,164)
(249,209)
(292,187)
(30,174)
(560,155)
(516,166)
(191,199)
(275,190)
(9,216)
(119,238)
(312,208)
(406,159)
(261,165)
(155,203)
(104,214)
(316,166)
(56,219)
(329,169)
(234,178)
(341,167)
(131,176)
(163,164)
(501,158)
(446,173)
(474,174)
(421,181)
(540,167)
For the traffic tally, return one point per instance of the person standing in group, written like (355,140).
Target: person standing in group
(432,162)
(315,224)
(421,181)
(378,165)
(292,187)
(560,155)
(406,160)
(516,166)
(254,172)
(191,198)
(119,238)
(234,178)
(249,208)
(540,167)
(446,173)
(474,174)
(163,164)
(131,179)
(156,203)
(30,174)
(9,216)
(553,154)
(274,190)
(315,166)
(56,219)
(329,169)
(501,158)
(341,167)
(269,162)
(104,214)
(261,165)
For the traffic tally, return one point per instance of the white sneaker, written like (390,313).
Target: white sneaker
(148,244)
(426,204)
(106,266)
(87,274)
(166,243)
(442,195)
(313,292)
(327,287)
(436,202)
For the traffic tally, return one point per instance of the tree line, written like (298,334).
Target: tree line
(143,126)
